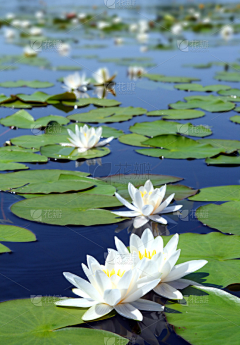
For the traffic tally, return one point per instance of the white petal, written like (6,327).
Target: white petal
(164,204)
(157,244)
(162,192)
(125,280)
(112,297)
(140,221)
(136,243)
(121,248)
(158,219)
(147,238)
(76,302)
(167,291)
(105,142)
(126,213)
(144,304)
(131,190)
(181,283)
(97,311)
(174,258)
(128,311)
(147,210)
(181,270)
(125,202)
(80,293)
(82,149)
(137,200)
(172,209)
(103,281)
(91,261)
(148,186)
(141,291)
(171,246)
(87,288)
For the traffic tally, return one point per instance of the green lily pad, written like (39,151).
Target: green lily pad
(38,320)
(107,115)
(165,79)
(174,114)
(224,160)
(159,127)
(36,97)
(66,96)
(63,152)
(95,101)
(72,209)
(178,147)
(133,139)
(17,105)
(200,66)
(22,119)
(228,76)
(225,217)
(21,178)
(17,155)
(237,109)
(221,252)
(205,313)
(12,166)
(221,193)
(200,88)
(11,233)
(234,93)
(36,84)
(235,119)
(228,146)
(209,103)
(66,68)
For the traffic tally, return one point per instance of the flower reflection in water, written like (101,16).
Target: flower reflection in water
(156,228)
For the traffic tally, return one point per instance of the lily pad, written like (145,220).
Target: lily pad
(200,88)
(11,233)
(107,115)
(225,217)
(66,68)
(17,105)
(224,160)
(174,114)
(36,97)
(228,146)
(43,322)
(228,76)
(73,209)
(22,119)
(220,193)
(234,93)
(178,147)
(133,139)
(95,101)
(70,153)
(36,84)
(12,166)
(205,313)
(235,119)
(18,155)
(165,79)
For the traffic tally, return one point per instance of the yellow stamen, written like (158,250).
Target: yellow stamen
(110,274)
(146,254)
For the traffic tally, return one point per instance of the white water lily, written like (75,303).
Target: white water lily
(142,37)
(25,24)
(162,260)
(146,204)
(143,25)
(75,81)
(133,27)
(176,29)
(39,15)
(28,51)
(134,72)
(64,49)
(16,23)
(102,76)
(9,34)
(82,16)
(111,289)
(35,31)
(102,25)
(143,49)
(10,16)
(86,138)
(226,32)
(118,40)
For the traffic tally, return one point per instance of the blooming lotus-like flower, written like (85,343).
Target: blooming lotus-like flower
(102,76)
(35,31)
(176,29)
(111,287)
(64,49)
(9,34)
(146,204)
(118,40)
(142,37)
(133,27)
(10,16)
(117,20)
(75,81)
(102,25)
(226,32)
(82,16)
(29,52)
(86,138)
(25,24)
(39,15)
(162,260)
(134,72)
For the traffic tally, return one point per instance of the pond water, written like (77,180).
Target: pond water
(36,268)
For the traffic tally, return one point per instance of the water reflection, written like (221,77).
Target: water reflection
(156,228)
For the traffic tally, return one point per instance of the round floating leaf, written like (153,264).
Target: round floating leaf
(199,87)
(224,160)
(237,109)
(14,155)
(63,152)
(222,253)
(227,146)
(178,147)
(72,209)
(12,166)
(205,313)
(36,84)
(225,217)
(235,118)
(107,115)
(38,320)
(11,233)
(66,68)
(227,76)
(234,93)
(66,96)
(22,119)
(133,139)
(17,105)
(165,79)
(221,193)
(36,97)
(173,114)
(95,101)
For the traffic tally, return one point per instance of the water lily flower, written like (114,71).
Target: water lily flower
(118,40)
(9,34)
(146,204)
(10,16)
(134,72)
(117,20)
(111,289)
(142,37)
(75,81)
(39,15)
(102,25)
(25,24)
(176,29)
(102,76)
(35,31)
(29,51)
(86,138)
(133,27)
(163,260)
(143,25)
(16,23)
(64,49)
(143,49)
(226,32)
(82,16)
